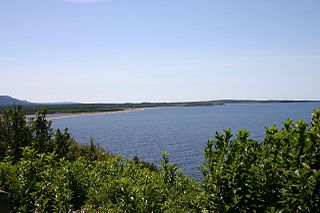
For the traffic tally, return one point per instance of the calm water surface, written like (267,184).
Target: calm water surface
(183,131)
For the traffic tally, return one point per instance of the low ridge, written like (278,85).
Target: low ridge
(6,100)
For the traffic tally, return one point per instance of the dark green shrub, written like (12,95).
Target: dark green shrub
(279,174)
(47,171)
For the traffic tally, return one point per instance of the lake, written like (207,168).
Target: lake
(182,131)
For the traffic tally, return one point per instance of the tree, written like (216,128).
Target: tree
(42,132)
(14,131)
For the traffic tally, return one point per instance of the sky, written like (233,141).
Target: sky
(116,51)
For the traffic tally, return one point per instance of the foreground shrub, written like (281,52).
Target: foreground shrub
(280,174)
(47,171)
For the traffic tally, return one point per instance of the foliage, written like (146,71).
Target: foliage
(278,175)
(47,171)
(32,108)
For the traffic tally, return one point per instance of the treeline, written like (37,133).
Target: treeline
(47,171)
(32,108)
(68,108)
(84,108)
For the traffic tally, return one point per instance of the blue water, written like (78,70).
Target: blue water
(183,131)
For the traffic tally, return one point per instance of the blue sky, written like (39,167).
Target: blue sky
(159,50)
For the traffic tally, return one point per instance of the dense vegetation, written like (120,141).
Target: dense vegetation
(47,171)
(31,108)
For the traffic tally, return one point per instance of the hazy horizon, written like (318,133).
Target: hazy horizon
(146,101)
(116,51)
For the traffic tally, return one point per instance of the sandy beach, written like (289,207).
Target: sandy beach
(67,115)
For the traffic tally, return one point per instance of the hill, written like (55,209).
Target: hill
(6,100)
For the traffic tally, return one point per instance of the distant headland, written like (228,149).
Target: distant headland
(70,107)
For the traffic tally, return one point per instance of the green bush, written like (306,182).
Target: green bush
(279,174)
(47,171)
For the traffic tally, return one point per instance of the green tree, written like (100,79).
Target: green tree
(42,132)
(15,133)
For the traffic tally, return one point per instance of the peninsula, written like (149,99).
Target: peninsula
(70,108)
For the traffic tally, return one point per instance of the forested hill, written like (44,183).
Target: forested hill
(6,100)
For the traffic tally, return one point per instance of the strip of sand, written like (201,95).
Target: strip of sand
(67,115)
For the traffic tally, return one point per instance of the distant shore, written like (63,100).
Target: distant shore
(80,114)
(79,109)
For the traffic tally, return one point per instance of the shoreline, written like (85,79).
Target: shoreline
(80,114)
